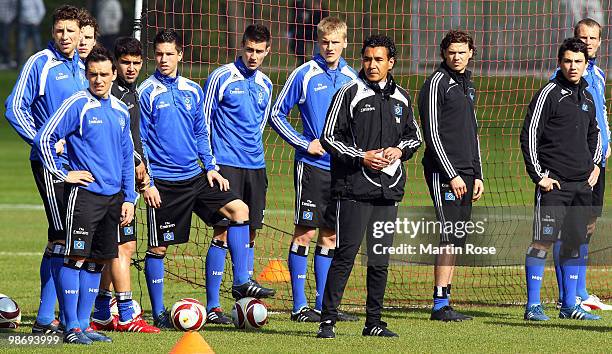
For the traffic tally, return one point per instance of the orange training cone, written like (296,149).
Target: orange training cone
(275,272)
(191,343)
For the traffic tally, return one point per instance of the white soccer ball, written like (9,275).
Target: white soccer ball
(249,313)
(10,314)
(188,315)
(114,310)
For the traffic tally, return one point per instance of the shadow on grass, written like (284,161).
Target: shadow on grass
(305,333)
(423,313)
(578,327)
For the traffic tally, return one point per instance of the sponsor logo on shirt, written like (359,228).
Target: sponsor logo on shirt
(61,76)
(237,91)
(80,231)
(320,87)
(162,104)
(367,108)
(95,120)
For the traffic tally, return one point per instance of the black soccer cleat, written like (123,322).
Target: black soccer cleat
(51,328)
(448,314)
(251,289)
(326,330)
(216,316)
(345,317)
(305,314)
(96,336)
(378,330)
(76,336)
(162,320)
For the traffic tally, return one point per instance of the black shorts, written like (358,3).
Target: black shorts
(313,204)
(567,209)
(171,222)
(448,207)
(250,185)
(127,233)
(598,193)
(92,223)
(51,190)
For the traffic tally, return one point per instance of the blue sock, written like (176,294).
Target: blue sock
(46,308)
(298,265)
(440,298)
(322,261)
(125,306)
(570,268)
(89,282)
(238,243)
(102,305)
(581,288)
(215,265)
(558,270)
(154,274)
(56,263)
(534,271)
(251,258)
(69,283)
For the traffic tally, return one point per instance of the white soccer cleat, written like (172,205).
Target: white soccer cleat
(594,303)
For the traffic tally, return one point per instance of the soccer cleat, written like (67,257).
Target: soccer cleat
(326,330)
(577,313)
(216,316)
(578,302)
(96,336)
(51,328)
(251,289)
(345,317)
(448,314)
(378,330)
(305,314)
(138,325)
(76,336)
(594,303)
(104,325)
(535,313)
(162,320)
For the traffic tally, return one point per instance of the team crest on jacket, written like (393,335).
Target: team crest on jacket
(398,109)
(122,122)
(188,103)
(260,97)
(585,107)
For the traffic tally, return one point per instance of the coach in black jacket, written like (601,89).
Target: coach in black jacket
(369,131)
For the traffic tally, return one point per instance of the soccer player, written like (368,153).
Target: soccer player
(368,132)
(562,148)
(174,136)
(46,80)
(89,33)
(589,31)
(311,87)
(128,56)
(236,107)
(452,156)
(100,192)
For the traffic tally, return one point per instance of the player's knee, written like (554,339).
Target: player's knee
(126,250)
(541,245)
(237,210)
(158,251)
(220,234)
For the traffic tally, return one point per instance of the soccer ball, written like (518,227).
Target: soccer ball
(114,310)
(188,314)
(249,313)
(10,314)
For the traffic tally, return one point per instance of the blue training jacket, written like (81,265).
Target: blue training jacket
(596,78)
(311,86)
(45,81)
(236,108)
(172,128)
(97,133)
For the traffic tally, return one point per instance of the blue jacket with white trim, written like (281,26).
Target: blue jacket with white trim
(311,86)
(236,106)
(172,128)
(97,133)
(46,80)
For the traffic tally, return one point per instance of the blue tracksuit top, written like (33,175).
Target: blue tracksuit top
(172,128)
(236,108)
(45,81)
(97,133)
(311,86)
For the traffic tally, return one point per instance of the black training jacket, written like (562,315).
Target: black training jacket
(127,94)
(448,119)
(560,138)
(364,117)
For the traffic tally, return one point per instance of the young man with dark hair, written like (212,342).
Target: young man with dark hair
(236,107)
(311,87)
(46,80)
(128,56)
(562,149)
(175,139)
(89,33)
(451,161)
(368,132)
(99,193)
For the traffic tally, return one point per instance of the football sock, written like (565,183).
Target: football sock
(322,261)
(154,274)
(570,268)
(89,281)
(581,288)
(46,308)
(298,265)
(69,283)
(251,258)
(440,297)
(56,263)
(125,305)
(534,271)
(215,265)
(238,243)
(102,305)
(558,271)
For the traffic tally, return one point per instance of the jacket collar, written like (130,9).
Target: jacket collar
(318,58)
(582,84)
(467,74)
(122,83)
(166,80)
(74,61)
(246,72)
(374,86)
